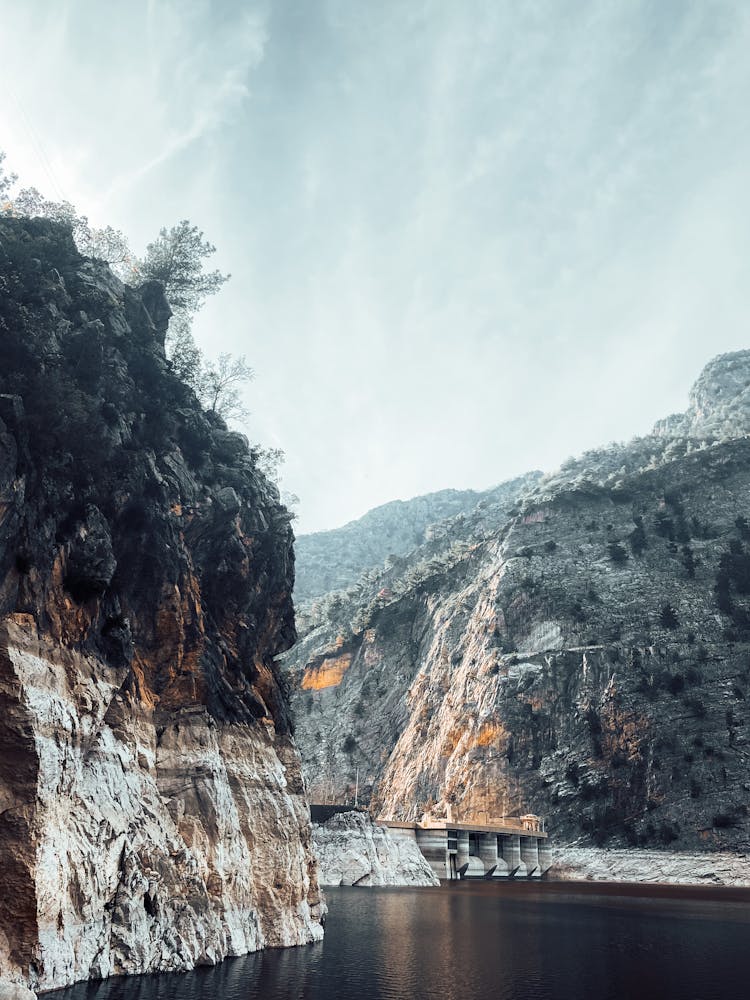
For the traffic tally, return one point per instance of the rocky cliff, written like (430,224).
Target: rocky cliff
(152,814)
(352,850)
(582,652)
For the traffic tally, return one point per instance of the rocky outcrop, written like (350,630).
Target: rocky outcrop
(581,653)
(719,404)
(352,850)
(15,991)
(152,812)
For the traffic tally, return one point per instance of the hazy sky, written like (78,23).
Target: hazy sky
(467,238)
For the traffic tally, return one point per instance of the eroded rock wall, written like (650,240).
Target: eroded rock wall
(352,850)
(149,847)
(587,659)
(152,813)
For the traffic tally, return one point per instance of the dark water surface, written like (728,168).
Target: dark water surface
(473,941)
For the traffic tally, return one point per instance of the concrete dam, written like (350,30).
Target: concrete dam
(471,850)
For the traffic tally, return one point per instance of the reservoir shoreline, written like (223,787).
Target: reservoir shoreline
(488,941)
(561,887)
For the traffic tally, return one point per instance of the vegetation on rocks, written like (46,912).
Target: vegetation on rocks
(146,570)
(580,650)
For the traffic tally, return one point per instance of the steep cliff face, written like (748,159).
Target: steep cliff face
(352,850)
(586,657)
(152,813)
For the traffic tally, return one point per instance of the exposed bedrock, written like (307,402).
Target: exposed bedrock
(352,850)
(582,653)
(637,865)
(152,812)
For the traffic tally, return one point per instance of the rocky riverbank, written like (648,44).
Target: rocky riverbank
(663,867)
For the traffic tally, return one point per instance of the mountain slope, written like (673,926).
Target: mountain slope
(585,657)
(333,560)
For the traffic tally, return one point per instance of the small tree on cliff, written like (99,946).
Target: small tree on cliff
(184,355)
(668,617)
(219,385)
(6,183)
(177,258)
(107,244)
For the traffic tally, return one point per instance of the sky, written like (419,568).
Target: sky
(466,238)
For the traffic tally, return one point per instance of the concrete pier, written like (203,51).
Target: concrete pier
(545,856)
(462,849)
(530,856)
(488,850)
(511,848)
(433,845)
(502,870)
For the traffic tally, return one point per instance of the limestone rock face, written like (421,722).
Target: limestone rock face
(634,865)
(352,850)
(582,653)
(719,401)
(152,811)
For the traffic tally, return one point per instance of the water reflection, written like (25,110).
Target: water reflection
(477,941)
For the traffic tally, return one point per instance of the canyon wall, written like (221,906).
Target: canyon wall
(152,812)
(582,652)
(333,560)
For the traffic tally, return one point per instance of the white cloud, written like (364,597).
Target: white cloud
(466,239)
(118,108)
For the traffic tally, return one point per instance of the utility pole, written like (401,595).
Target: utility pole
(356,791)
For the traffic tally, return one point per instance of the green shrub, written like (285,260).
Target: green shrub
(637,537)
(723,820)
(668,832)
(688,561)
(696,707)
(577,612)
(617,553)
(675,684)
(664,525)
(668,617)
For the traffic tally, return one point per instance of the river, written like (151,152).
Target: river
(476,941)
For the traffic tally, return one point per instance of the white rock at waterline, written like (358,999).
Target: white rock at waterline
(668,867)
(15,991)
(352,850)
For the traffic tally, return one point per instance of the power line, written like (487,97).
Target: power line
(36,143)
